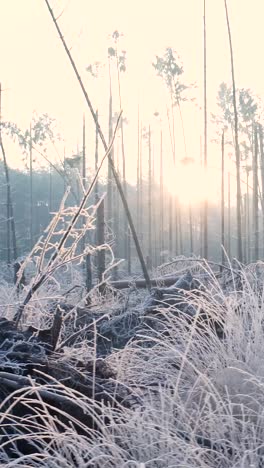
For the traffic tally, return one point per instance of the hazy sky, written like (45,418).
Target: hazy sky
(36,75)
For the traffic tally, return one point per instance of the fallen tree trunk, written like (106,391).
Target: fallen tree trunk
(141,283)
(33,377)
(169,280)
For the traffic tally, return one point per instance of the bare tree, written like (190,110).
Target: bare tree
(96,188)
(161,197)
(140,191)
(223,197)
(10,221)
(50,190)
(229,246)
(191,227)
(149,201)
(261,157)
(109,176)
(87,260)
(237,149)
(248,169)
(255,196)
(31,188)
(139,174)
(205,211)
(121,67)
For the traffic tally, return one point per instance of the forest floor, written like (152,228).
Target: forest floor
(173,377)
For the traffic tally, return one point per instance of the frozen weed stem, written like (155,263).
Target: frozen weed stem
(71,235)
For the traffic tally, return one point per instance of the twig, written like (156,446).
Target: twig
(71,289)
(74,336)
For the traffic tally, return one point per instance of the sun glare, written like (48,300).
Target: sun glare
(191,185)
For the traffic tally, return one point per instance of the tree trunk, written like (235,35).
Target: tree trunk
(201,205)
(170,224)
(261,164)
(237,150)
(177,227)
(229,216)
(109,177)
(155,222)
(141,192)
(8,216)
(9,205)
(50,191)
(223,199)
(139,182)
(244,211)
(161,197)
(64,171)
(248,240)
(119,240)
(96,188)
(149,202)
(31,190)
(100,241)
(255,198)
(126,242)
(205,211)
(87,262)
(138,175)
(191,228)
(262,178)
(180,229)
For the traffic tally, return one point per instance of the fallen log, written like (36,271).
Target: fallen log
(141,283)
(167,280)
(33,376)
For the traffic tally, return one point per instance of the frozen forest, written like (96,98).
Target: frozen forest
(131,234)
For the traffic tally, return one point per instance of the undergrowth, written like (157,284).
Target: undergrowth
(200,398)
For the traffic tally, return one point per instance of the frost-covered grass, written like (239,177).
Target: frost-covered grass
(201,397)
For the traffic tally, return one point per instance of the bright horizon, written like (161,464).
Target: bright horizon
(36,74)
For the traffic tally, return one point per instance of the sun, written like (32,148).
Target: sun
(191,185)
